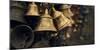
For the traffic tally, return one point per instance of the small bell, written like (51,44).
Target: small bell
(66,10)
(33,10)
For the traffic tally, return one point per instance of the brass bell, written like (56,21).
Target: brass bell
(66,10)
(46,23)
(33,10)
(60,20)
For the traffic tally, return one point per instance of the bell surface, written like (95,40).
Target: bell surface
(17,12)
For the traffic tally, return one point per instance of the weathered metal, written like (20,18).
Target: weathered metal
(22,36)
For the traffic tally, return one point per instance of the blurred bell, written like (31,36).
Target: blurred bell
(46,23)
(21,36)
(60,20)
(66,10)
(17,13)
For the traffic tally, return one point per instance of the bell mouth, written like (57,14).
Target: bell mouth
(21,36)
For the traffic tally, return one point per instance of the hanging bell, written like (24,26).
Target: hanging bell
(33,10)
(17,13)
(32,16)
(66,10)
(60,20)
(46,23)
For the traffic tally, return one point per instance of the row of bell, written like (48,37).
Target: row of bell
(62,19)
(52,23)
(58,21)
(46,22)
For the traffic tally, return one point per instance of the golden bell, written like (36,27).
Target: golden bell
(60,20)
(46,23)
(33,10)
(65,9)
